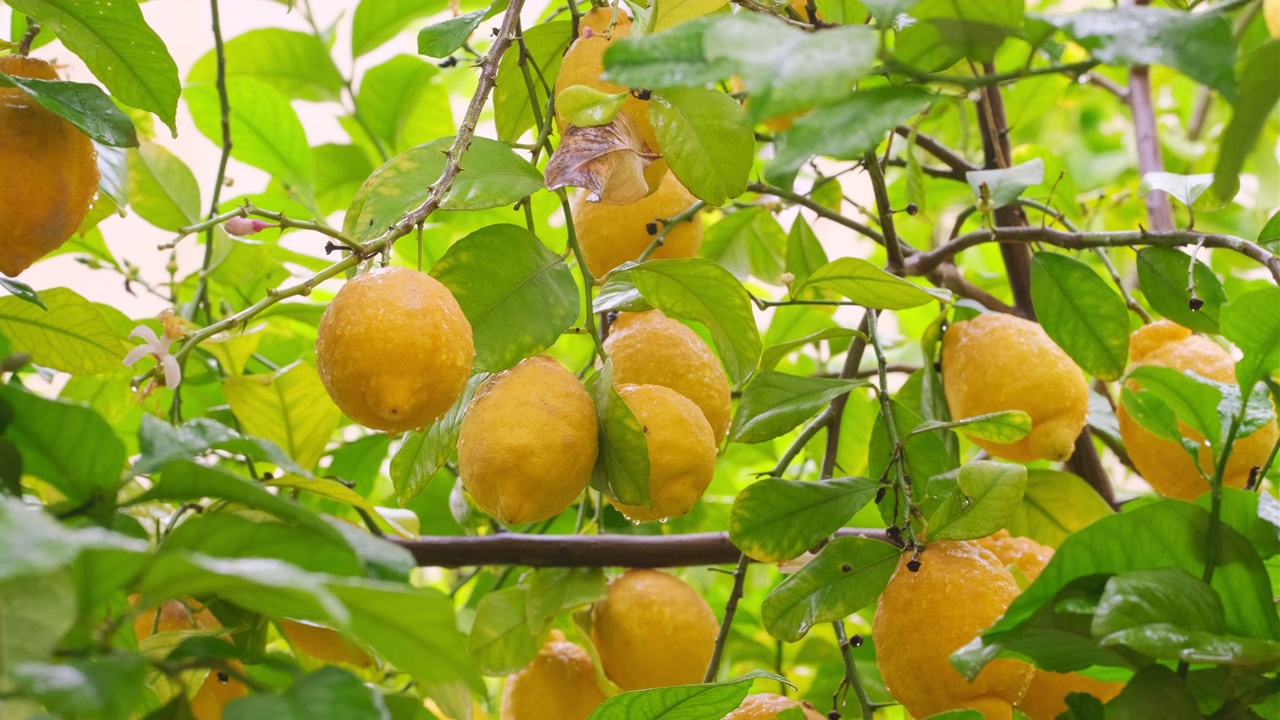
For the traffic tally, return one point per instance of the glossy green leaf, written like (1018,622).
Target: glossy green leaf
(340,170)
(1269,236)
(162,189)
(23,292)
(289,407)
(554,589)
(105,688)
(1198,45)
(775,353)
(38,610)
(681,702)
(774,403)
(1001,427)
(1161,595)
(1166,641)
(587,107)
(747,242)
(776,520)
(987,495)
(1257,96)
(867,285)
(404,102)
(378,21)
(804,252)
(1157,417)
(445,37)
(518,295)
(492,176)
(329,692)
(707,140)
(668,13)
(73,335)
(265,130)
(297,64)
(1155,691)
(82,105)
(622,465)
(1162,273)
(848,574)
(945,32)
(1195,403)
(1252,323)
(512,109)
(675,57)
(502,640)
(1004,185)
(865,117)
(160,442)
(120,49)
(422,453)
(227,535)
(50,546)
(1055,505)
(1081,313)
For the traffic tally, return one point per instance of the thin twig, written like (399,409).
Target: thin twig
(892,245)
(730,609)
(668,225)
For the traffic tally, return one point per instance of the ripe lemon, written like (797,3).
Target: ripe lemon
(599,19)
(51,172)
(528,442)
(766,706)
(613,234)
(653,630)
(1271,15)
(218,689)
(682,451)
(1164,465)
(394,349)
(560,684)
(325,644)
(649,348)
(1029,555)
(997,362)
(171,616)
(922,617)
(1046,698)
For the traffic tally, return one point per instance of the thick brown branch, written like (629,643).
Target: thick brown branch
(651,551)
(1159,208)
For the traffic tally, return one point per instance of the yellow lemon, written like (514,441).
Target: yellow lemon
(922,617)
(394,349)
(766,706)
(1271,15)
(682,451)
(51,172)
(653,630)
(218,689)
(560,684)
(1162,463)
(1046,698)
(1029,555)
(613,234)
(649,348)
(998,362)
(528,442)
(325,644)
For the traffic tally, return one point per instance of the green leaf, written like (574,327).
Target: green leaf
(68,446)
(777,520)
(1055,505)
(1162,273)
(288,407)
(1258,95)
(492,176)
(1198,45)
(804,252)
(82,105)
(1155,691)
(1195,403)
(672,58)
(160,442)
(775,353)
(118,46)
(265,130)
(867,285)
(847,575)
(1161,595)
(774,403)
(1156,417)
(622,465)
(502,640)
(47,545)
(340,170)
(73,335)
(296,63)
(668,13)
(1004,185)
(552,590)
(1183,188)
(587,107)
(226,535)
(518,295)
(706,137)
(422,453)
(866,118)
(987,495)
(1001,427)
(329,692)
(104,688)
(945,31)
(681,702)
(1252,323)
(512,107)
(22,291)
(1081,313)
(162,189)
(404,102)
(377,21)
(447,36)
(747,242)
(38,610)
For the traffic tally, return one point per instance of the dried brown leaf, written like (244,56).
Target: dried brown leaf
(607,161)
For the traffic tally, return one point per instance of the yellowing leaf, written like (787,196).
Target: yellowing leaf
(289,407)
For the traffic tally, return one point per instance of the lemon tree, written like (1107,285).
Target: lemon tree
(643,360)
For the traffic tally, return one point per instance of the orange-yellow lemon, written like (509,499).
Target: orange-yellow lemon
(560,684)
(613,234)
(682,451)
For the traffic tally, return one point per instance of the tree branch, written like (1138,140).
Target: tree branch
(934,147)
(1159,208)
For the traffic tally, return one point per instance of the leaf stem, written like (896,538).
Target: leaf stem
(588,280)
(28,37)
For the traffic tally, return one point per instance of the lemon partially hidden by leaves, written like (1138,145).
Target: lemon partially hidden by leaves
(325,644)
(1162,463)
(649,348)
(394,350)
(766,706)
(528,442)
(998,362)
(51,172)
(653,630)
(1029,555)
(218,689)
(922,617)
(560,684)
(613,234)
(682,451)
(172,616)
